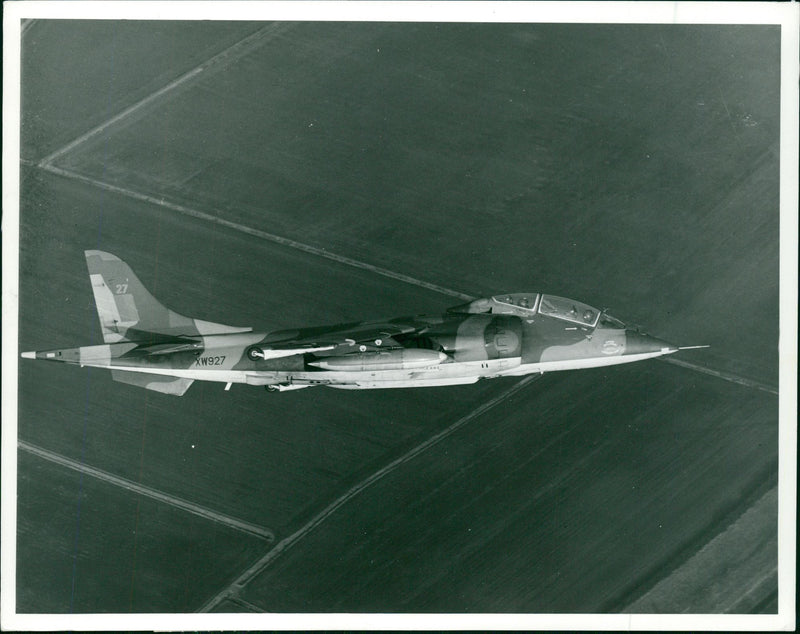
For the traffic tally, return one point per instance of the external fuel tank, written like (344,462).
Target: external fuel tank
(400,359)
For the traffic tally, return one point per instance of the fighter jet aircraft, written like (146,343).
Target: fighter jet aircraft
(513,334)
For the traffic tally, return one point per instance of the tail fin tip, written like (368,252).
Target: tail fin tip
(103,255)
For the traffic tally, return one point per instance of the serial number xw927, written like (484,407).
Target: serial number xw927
(210,360)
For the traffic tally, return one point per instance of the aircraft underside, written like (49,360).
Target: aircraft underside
(440,375)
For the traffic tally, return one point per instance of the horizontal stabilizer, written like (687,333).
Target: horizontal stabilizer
(156,382)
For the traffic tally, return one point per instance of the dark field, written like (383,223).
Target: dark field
(540,503)
(86,546)
(633,167)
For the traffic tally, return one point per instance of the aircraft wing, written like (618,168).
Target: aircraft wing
(370,333)
(318,340)
(169,348)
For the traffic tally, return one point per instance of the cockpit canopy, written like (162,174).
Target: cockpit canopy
(530,304)
(568,310)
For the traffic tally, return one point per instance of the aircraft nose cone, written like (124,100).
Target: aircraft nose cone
(637,343)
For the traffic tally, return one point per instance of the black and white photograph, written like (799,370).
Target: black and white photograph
(391,311)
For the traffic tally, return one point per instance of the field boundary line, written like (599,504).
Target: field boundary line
(246,604)
(230,54)
(129,485)
(287,542)
(25,24)
(727,376)
(270,237)
(765,579)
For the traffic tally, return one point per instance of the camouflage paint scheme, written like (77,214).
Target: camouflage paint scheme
(150,346)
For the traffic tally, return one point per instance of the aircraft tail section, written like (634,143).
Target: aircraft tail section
(127,310)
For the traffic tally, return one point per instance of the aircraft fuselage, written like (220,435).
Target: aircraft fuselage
(505,335)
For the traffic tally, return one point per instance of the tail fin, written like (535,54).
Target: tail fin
(127,310)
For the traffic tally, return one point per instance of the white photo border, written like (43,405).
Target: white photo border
(787,15)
